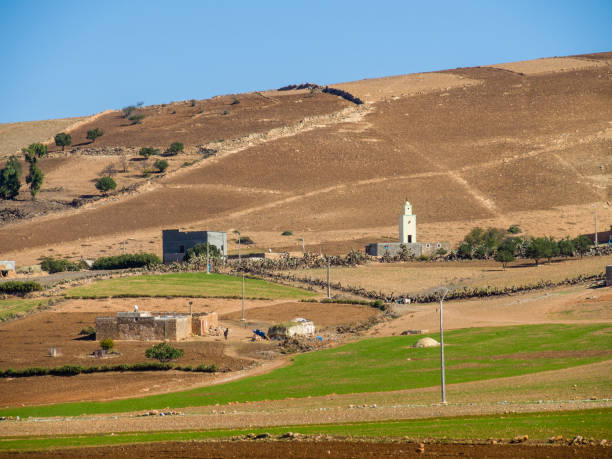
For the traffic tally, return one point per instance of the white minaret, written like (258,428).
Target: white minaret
(407,225)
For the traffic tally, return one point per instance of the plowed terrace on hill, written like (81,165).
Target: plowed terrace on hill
(500,145)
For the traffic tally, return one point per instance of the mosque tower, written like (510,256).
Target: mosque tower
(407,225)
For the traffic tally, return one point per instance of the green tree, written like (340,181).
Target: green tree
(481,243)
(504,257)
(148,151)
(163,352)
(35,178)
(34,151)
(106,184)
(161,165)
(93,134)
(107,344)
(542,247)
(582,244)
(566,247)
(175,148)
(63,140)
(10,178)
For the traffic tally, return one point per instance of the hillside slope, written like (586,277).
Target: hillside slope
(527,143)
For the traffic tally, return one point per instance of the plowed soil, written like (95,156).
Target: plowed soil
(327,448)
(531,149)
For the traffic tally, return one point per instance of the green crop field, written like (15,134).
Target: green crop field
(594,423)
(11,308)
(188,285)
(384,364)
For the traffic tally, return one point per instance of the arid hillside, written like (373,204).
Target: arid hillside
(526,143)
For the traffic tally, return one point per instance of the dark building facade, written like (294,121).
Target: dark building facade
(175,243)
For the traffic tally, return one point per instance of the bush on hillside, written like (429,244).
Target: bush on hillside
(163,352)
(59,265)
(93,134)
(63,140)
(514,229)
(148,151)
(107,344)
(10,178)
(128,260)
(19,287)
(174,149)
(161,165)
(106,184)
(287,233)
(246,240)
(136,118)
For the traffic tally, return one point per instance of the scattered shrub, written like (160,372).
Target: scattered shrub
(235,101)
(246,240)
(106,184)
(128,260)
(163,352)
(107,344)
(174,149)
(161,165)
(225,112)
(287,233)
(93,134)
(192,102)
(514,229)
(148,151)
(136,118)
(19,287)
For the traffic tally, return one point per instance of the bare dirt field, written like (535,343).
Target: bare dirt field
(531,150)
(331,448)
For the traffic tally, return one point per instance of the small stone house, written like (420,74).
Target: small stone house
(297,327)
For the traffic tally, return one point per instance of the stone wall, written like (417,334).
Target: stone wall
(202,322)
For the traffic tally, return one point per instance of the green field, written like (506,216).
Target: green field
(594,423)
(188,285)
(384,364)
(12,308)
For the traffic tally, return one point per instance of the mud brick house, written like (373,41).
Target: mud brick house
(176,243)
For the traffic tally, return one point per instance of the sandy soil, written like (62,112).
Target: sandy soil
(377,89)
(15,136)
(549,65)
(328,447)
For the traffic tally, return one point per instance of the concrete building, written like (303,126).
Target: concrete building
(407,237)
(176,243)
(144,326)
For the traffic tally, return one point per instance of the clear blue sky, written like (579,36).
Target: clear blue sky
(67,58)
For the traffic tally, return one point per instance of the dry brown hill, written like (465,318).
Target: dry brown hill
(527,143)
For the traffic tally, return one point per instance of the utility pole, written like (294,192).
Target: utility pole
(442,375)
(243,320)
